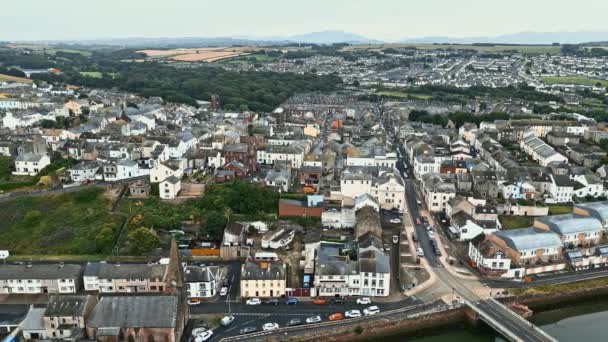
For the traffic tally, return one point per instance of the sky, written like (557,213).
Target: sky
(388,20)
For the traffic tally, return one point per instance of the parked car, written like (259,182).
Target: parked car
(253,301)
(292,301)
(226,282)
(224,291)
(319,301)
(372,310)
(272,301)
(417,220)
(352,313)
(194,301)
(313,319)
(395,238)
(431,234)
(364,301)
(395,220)
(387,247)
(336,316)
(419,252)
(270,326)
(227,320)
(248,330)
(294,322)
(204,336)
(338,301)
(198,331)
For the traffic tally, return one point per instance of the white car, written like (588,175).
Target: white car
(352,313)
(395,238)
(204,336)
(372,310)
(254,301)
(431,234)
(313,319)
(419,252)
(395,220)
(227,320)
(198,331)
(364,301)
(224,291)
(270,326)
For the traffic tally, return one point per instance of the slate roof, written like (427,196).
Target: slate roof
(529,238)
(68,271)
(124,271)
(134,312)
(12,314)
(68,305)
(197,274)
(263,270)
(598,210)
(570,223)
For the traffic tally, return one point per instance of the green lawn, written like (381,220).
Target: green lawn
(578,80)
(560,209)
(93,74)
(515,222)
(58,224)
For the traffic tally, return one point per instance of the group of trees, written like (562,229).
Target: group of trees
(458,118)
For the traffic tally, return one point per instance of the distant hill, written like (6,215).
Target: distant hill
(530,38)
(330,37)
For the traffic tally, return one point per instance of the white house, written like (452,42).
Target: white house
(34,279)
(294,153)
(85,171)
(164,170)
(29,164)
(170,187)
(561,189)
(12,121)
(127,168)
(200,281)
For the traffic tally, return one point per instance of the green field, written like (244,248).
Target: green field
(560,209)
(59,224)
(515,222)
(403,95)
(578,80)
(247,59)
(93,74)
(532,49)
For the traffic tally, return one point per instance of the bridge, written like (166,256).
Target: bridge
(508,323)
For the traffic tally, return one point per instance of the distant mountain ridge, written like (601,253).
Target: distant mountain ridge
(331,37)
(528,38)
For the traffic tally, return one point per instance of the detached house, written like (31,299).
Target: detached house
(29,164)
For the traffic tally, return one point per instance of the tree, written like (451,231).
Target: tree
(143,240)
(214,224)
(104,239)
(356,83)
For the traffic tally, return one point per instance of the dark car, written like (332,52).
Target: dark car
(226,282)
(248,330)
(294,322)
(292,301)
(272,301)
(338,301)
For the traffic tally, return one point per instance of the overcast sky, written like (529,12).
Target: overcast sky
(379,19)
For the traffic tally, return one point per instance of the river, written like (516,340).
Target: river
(585,321)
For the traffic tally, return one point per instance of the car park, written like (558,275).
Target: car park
(270,326)
(336,316)
(253,301)
(227,320)
(314,319)
(224,291)
(294,322)
(194,301)
(364,301)
(352,313)
(248,330)
(372,310)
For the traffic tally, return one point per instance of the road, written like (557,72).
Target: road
(258,315)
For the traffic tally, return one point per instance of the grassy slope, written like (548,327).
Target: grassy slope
(55,224)
(9,78)
(578,80)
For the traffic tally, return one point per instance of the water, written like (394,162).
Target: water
(586,321)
